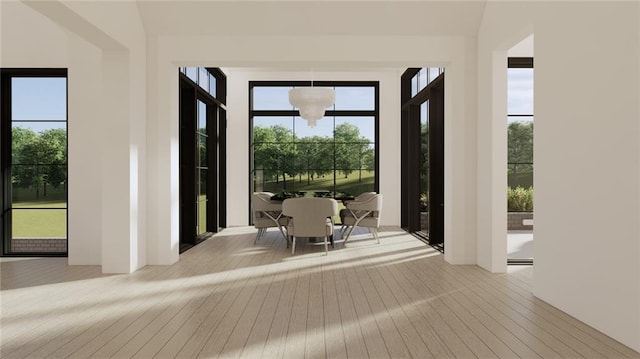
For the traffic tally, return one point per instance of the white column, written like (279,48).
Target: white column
(460,160)
(84,152)
(162,187)
(114,138)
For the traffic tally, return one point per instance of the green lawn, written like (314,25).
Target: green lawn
(29,222)
(35,223)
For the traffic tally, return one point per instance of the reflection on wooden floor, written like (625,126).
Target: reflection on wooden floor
(228,297)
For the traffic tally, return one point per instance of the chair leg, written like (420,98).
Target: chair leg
(348,233)
(374,231)
(258,235)
(283,235)
(326,246)
(293,244)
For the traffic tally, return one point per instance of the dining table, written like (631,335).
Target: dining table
(338,196)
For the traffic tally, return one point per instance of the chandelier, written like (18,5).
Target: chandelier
(312,101)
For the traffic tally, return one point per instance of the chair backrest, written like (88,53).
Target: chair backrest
(370,203)
(364,196)
(374,204)
(261,201)
(309,215)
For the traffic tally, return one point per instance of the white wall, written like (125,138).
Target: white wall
(107,71)
(586,154)
(123,116)
(322,53)
(41,42)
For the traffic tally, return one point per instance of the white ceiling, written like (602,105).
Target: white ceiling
(311,18)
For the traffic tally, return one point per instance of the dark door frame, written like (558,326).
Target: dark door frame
(411,152)
(189,95)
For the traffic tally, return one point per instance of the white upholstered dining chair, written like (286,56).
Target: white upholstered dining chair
(267,214)
(363,213)
(310,217)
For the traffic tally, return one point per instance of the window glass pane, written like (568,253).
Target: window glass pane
(202,203)
(352,128)
(414,85)
(202,150)
(38,165)
(39,223)
(271,98)
(202,117)
(520,153)
(202,217)
(523,119)
(303,158)
(270,129)
(38,99)
(424,113)
(353,185)
(424,163)
(520,91)
(39,143)
(203,78)
(192,73)
(35,186)
(314,154)
(274,157)
(202,185)
(353,156)
(434,72)
(212,85)
(422,79)
(355,98)
(323,128)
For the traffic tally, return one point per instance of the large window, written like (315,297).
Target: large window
(520,122)
(34,161)
(338,155)
(202,154)
(422,160)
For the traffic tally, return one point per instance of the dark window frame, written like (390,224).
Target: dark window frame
(375,113)
(216,151)
(410,153)
(6,208)
(519,63)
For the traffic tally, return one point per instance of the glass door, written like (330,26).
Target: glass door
(202,169)
(424,168)
(202,153)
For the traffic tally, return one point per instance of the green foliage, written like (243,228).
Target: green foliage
(520,147)
(424,201)
(280,158)
(39,159)
(520,199)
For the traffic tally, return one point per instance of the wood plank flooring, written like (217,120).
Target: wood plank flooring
(229,297)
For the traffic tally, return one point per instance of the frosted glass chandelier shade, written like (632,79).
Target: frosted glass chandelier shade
(312,101)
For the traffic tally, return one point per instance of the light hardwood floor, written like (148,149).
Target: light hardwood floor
(230,298)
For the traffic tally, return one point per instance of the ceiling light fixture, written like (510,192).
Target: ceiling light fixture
(312,101)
